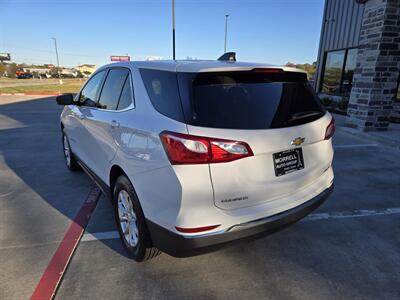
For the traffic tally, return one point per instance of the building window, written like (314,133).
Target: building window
(350,65)
(338,72)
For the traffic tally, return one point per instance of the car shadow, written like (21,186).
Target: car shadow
(34,180)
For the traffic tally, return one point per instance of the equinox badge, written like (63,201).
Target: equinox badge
(298,141)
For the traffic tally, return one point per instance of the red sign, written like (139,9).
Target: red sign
(120,58)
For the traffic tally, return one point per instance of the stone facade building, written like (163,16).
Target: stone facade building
(359,61)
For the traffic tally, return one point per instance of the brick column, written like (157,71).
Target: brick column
(395,115)
(377,70)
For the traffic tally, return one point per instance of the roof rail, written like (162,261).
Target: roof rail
(228,56)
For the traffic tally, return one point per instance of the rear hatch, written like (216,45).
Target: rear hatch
(276,113)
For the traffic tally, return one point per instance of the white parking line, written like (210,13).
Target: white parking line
(355,146)
(107,235)
(352,214)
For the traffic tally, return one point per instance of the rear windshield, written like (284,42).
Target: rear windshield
(248,100)
(234,100)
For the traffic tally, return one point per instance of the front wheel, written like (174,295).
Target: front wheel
(131,222)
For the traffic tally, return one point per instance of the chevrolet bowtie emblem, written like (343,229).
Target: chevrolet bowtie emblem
(298,141)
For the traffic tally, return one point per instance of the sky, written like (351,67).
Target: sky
(89,31)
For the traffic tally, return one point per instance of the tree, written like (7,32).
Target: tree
(309,68)
(3,68)
(11,69)
(289,64)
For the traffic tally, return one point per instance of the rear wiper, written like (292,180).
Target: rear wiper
(303,115)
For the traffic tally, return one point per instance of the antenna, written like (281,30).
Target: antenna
(173,29)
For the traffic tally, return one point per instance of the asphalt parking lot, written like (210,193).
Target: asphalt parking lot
(348,248)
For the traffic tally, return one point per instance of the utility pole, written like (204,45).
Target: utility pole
(58,61)
(55,46)
(226,30)
(173,29)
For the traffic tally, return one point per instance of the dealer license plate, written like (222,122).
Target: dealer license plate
(288,161)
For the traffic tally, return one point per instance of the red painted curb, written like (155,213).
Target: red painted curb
(47,286)
(28,94)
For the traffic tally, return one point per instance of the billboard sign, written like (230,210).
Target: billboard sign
(120,58)
(5,56)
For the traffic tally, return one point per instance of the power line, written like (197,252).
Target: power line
(30,59)
(51,52)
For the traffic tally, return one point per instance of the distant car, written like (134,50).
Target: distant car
(69,75)
(25,76)
(196,154)
(45,75)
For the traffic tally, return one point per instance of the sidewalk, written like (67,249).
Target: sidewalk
(391,137)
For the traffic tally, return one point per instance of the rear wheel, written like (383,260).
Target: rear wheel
(131,222)
(70,160)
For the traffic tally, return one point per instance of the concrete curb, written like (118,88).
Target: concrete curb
(387,141)
(28,94)
(383,140)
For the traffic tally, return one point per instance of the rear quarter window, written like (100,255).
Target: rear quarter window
(162,89)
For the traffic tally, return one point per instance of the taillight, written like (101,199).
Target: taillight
(189,149)
(330,130)
(267,70)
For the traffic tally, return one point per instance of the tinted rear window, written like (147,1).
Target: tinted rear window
(248,100)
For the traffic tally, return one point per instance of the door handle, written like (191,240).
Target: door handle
(114,124)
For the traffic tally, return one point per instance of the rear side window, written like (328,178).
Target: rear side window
(112,89)
(162,88)
(248,99)
(89,92)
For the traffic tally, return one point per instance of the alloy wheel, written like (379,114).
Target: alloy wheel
(67,151)
(127,218)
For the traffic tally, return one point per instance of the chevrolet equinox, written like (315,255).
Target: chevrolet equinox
(196,154)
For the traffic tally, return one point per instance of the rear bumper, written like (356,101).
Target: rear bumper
(183,246)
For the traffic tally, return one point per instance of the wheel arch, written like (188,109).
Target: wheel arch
(115,172)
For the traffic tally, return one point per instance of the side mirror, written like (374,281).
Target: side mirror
(66,99)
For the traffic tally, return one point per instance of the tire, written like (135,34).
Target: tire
(70,160)
(131,222)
